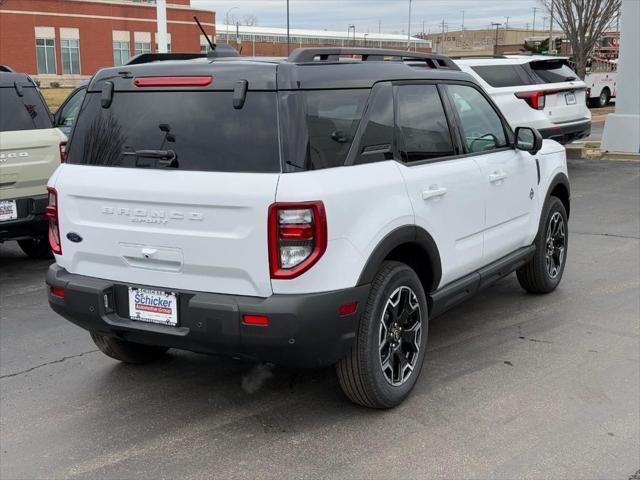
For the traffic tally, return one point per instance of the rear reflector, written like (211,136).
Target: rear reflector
(347,309)
(172,81)
(255,320)
(57,292)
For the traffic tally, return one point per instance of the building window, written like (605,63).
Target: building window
(205,49)
(141,47)
(168,48)
(46,55)
(120,53)
(70,56)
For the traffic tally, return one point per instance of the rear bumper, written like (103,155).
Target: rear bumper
(567,133)
(304,330)
(31,221)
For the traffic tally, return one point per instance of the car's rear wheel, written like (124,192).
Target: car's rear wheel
(544,271)
(127,352)
(388,352)
(37,248)
(604,98)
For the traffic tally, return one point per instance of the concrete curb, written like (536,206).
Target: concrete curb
(592,151)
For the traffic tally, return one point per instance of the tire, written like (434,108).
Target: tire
(544,271)
(36,248)
(127,352)
(373,374)
(604,98)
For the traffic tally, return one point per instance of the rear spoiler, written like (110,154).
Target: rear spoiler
(220,51)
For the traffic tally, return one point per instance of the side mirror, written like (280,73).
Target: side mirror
(528,139)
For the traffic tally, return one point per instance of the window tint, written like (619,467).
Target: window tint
(69,112)
(503,75)
(481,125)
(318,126)
(553,71)
(376,143)
(22,113)
(196,130)
(424,131)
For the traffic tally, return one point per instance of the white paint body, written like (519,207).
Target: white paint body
(207,231)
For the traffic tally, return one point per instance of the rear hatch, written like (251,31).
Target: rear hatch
(565,93)
(29,146)
(169,185)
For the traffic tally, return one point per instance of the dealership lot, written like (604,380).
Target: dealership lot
(514,385)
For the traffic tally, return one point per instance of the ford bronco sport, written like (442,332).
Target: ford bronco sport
(30,150)
(306,211)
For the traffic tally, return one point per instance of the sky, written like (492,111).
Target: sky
(391,15)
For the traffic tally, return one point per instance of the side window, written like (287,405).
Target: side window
(422,124)
(26,112)
(376,144)
(481,125)
(69,112)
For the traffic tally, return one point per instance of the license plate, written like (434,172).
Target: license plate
(8,210)
(153,306)
(570,98)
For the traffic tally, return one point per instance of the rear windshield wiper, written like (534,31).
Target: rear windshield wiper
(166,158)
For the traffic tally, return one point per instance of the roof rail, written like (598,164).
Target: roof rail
(329,54)
(220,51)
(462,57)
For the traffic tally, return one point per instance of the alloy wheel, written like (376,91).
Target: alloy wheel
(556,242)
(399,335)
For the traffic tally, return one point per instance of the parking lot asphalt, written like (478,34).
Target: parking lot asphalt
(514,385)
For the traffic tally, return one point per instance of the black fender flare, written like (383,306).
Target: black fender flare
(560,179)
(402,235)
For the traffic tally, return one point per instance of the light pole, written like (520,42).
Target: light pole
(354,33)
(533,28)
(495,45)
(288,37)
(409,29)
(365,40)
(226,21)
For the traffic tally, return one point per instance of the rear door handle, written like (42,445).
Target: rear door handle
(497,176)
(433,191)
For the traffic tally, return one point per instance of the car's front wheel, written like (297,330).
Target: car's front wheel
(388,352)
(127,352)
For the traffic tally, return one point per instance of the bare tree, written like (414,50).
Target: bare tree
(583,22)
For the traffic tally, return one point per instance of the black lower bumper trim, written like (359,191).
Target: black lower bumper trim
(304,330)
(31,221)
(567,133)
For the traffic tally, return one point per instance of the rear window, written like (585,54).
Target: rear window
(183,130)
(504,75)
(323,139)
(26,112)
(553,71)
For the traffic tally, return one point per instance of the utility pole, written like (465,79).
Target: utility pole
(551,49)
(506,25)
(495,45)
(442,40)
(379,25)
(288,37)
(409,29)
(533,29)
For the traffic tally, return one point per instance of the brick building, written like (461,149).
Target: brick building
(65,41)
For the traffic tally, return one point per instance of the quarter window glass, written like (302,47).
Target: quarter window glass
(46,56)
(481,125)
(422,123)
(70,110)
(377,140)
(503,75)
(553,71)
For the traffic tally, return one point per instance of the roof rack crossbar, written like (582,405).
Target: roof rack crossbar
(310,55)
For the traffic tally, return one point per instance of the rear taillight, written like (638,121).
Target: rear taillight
(63,152)
(297,237)
(536,100)
(52,217)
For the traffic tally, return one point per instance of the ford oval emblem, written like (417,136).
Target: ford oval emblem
(74,237)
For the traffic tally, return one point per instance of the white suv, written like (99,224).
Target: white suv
(306,211)
(535,91)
